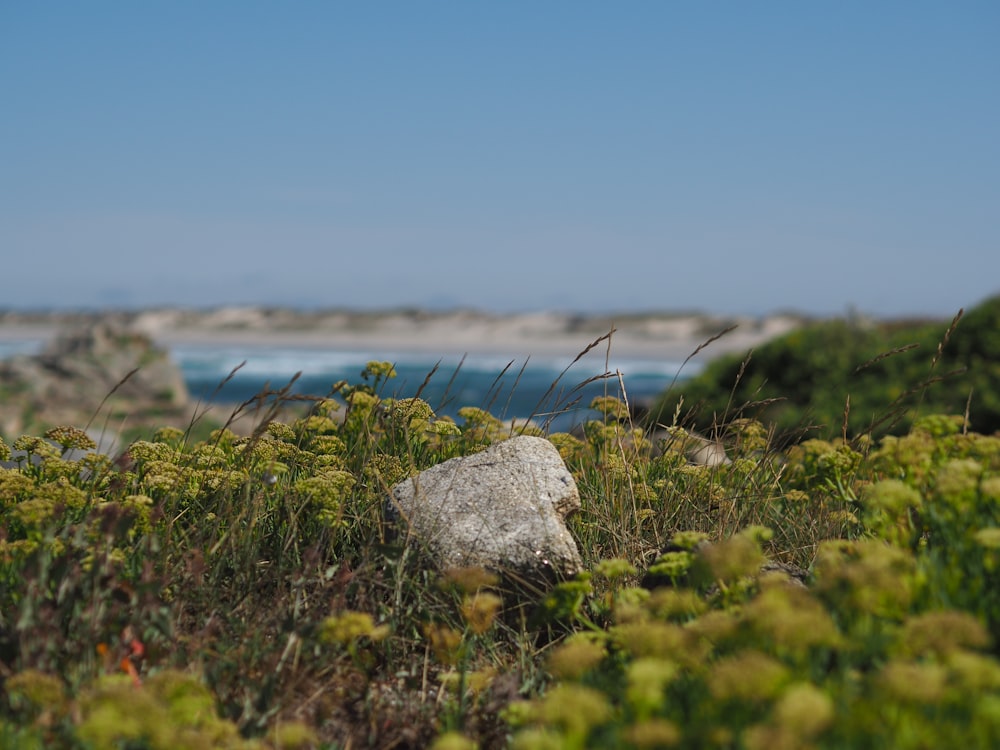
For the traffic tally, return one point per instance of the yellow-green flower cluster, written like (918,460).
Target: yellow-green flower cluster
(36,446)
(326,490)
(348,626)
(71,438)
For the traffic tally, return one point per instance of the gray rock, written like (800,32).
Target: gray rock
(502,509)
(104,363)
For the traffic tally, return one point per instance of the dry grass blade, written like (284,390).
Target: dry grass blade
(885,355)
(692,355)
(947,336)
(898,408)
(274,401)
(537,411)
(427,378)
(110,393)
(711,340)
(446,397)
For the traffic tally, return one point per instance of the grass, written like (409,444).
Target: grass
(244,590)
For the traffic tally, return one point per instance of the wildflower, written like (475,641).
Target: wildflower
(164,477)
(141,508)
(326,490)
(222,437)
(791,619)
(615,569)
(292,735)
(804,710)
(977,673)
(469,579)
(316,425)
(569,447)
(892,496)
(347,627)
(36,693)
(474,682)
(361,402)
(689,540)
(479,610)
(748,676)
(4,451)
(222,480)
(95,464)
(576,656)
(865,576)
(445,642)
(169,435)
(444,427)
(672,566)
(796,497)
(652,733)
(610,406)
(939,425)
(453,741)
(751,435)
(35,513)
(386,469)
(480,423)
(115,714)
(406,410)
(575,709)
(326,407)
(731,559)
(629,596)
(988,537)
(378,370)
(958,479)
(672,603)
(942,632)
(327,445)
(565,600)
(647,678)
(36,446)
(538,739)
(143,451)
(14,486)
(714,628)
(71,438)
(281,431)
(659,639)
(914,682)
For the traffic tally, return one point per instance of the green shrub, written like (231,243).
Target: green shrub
(870,377)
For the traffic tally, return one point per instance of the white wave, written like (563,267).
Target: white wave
(277,363)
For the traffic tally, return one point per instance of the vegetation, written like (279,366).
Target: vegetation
(853,376)
(245,591)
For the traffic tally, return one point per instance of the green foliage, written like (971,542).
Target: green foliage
(891,643)
(872,377)
(246,590)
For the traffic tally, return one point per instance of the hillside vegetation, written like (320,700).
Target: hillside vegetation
(873,378)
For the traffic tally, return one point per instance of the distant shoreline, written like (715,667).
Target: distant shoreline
(636,336)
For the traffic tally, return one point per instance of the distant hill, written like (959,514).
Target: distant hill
(875,377)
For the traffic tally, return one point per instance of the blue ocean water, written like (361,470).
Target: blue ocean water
(551,390)
(548,389)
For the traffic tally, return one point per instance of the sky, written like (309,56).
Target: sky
(728,157)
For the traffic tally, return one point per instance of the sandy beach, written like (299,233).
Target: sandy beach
(635,336)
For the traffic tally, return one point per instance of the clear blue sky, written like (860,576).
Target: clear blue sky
(721,156)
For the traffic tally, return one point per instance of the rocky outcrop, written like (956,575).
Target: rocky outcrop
(502,509)
(68,381)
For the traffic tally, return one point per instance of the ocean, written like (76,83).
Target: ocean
(506,388)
